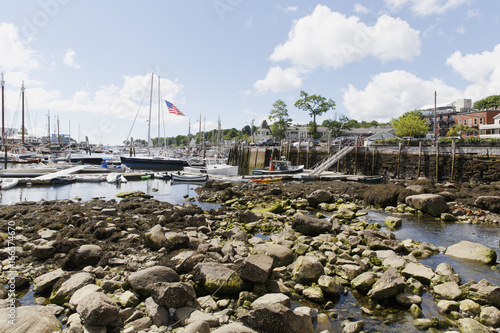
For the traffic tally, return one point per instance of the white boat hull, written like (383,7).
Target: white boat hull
(115,177)
(8,183)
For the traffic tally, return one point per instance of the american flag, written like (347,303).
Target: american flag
(173,109)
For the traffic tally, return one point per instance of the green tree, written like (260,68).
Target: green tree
(316,105)
(459,129)
(410,124)
(492,101)
(337,127)
(280,118)
(247,130)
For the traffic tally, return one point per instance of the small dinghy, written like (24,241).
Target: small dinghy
(7,183)
(188,178)
(116,178)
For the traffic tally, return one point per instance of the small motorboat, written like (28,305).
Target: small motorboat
(116,178)
(7,183)
(62,180)
(268,180)
(162,175)
(278,167)
(90,178)
(371,179)
(181,177)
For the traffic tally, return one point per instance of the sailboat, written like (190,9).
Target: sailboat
(153,162)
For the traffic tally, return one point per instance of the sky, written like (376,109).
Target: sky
(87,66)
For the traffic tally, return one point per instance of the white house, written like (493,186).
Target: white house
(490,131)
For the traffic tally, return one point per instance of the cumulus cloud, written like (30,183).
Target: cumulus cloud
(360,9)
(68,59)
(330,39)
(389,95)
(426,7)
(280,80)
(15,54)
(481,69)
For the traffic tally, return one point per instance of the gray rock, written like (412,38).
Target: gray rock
(277,318)
(176,240)
(82,293)
(47,280)
(215,276)
(445,269)
(85,255)
(310,226)
(448,290)
(354,327)
(249,216)
(329,286)
(364,282)
(32,319)
(272,298)
(490,202)
(418,271)
(282,255)
(188,315)
(197,327)
(490,316)
(485,293)
(472,251)
(408,300)
(155,237)
(68,287)
(318,197)
(233,328)
(173,294)
(140,324)
(97,309)
(196,220)
(158,314)
(390,284)
(43,251)
(256,268)
(307,269)
(468,325)
(432,204)
(446,306)
(142,281)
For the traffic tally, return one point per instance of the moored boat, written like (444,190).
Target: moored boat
(7,183)
(268,180)
(277,167)
(188,178)
(153,163)
(116,178)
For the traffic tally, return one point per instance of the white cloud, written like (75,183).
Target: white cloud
(330,39)
(472,13)
(68,59)
(391,94)
(279,80)
(481,69)
(461,30)
(288,8)
(426,7)
(360,9)
(15,54)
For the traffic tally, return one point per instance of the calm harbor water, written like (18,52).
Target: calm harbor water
(419,229)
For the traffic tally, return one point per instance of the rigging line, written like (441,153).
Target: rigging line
(140,105)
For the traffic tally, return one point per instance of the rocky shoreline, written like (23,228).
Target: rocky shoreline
(140,264)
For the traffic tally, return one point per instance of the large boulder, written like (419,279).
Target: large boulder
(97,309)
(85,255)
(173,294)
(32,319)
(309,225)
(418,271)
(214,276)
(390,284)
(484,292)
(277,318)
(307,269)
(68,287)
(318,197)
(488,202)
(47,280)
(432,204)
(256,268)
(155,237)
(142,281)
(282,255)
(472,251)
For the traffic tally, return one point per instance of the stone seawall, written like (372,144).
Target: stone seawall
(444,163)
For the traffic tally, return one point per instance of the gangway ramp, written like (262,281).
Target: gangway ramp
(330,160)
(62,173)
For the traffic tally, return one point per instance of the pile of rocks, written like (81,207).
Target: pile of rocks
(145,265)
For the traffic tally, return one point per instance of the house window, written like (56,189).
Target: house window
(465,122)
(475,121)
(460,121)
(481,121)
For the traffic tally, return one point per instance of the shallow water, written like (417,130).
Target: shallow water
(160,189)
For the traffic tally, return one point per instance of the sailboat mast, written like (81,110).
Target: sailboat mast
(159,113)
(50,139)
(3,111)
(189,136)
(150,106)
(22,128)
